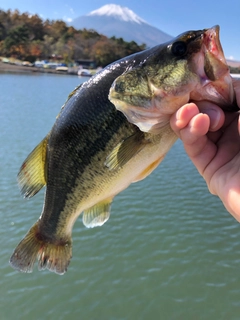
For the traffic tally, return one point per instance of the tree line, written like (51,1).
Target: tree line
(28,37)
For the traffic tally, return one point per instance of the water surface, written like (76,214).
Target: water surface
(169,251)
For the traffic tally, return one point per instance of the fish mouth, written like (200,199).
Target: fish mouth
(214,72)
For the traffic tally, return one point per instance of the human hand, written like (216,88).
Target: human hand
(211,139)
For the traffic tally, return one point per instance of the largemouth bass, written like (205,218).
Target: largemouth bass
(94,151)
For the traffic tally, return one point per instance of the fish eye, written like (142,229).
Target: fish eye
(179,48)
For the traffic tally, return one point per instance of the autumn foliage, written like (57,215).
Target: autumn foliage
(28,37)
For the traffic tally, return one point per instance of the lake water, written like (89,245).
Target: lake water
(169,251)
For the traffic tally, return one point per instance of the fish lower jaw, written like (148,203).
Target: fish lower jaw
(223,93)
(220,92)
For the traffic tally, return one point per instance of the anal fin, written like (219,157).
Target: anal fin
(97,215)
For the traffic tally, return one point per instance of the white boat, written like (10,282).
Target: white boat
(84,73)
(62,68)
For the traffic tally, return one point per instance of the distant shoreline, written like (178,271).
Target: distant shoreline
(13,68)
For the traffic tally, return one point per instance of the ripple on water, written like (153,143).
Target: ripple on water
(169,248)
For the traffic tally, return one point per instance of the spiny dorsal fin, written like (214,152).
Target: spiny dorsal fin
(32,174)
(69,96)
(97,215)
(74,91)
(125,151)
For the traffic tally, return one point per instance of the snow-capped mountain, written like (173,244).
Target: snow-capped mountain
(114,20)
(118,12)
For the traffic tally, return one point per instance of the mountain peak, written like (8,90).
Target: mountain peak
(116,21)
(117,11)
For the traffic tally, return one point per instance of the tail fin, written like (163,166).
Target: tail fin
(52,256)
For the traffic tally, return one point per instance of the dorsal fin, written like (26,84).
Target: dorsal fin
(97,215)
(69,96)
(32,174)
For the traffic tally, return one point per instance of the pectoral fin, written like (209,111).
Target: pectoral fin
(32,174)
(125,151)
(97,215)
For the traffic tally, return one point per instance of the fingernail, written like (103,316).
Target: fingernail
(178,114)
(214,116)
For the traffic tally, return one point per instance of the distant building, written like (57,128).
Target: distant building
(86,64)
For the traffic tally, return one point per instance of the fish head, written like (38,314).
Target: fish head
(191,67)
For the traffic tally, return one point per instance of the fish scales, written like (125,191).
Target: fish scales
(89,125)
(112,131)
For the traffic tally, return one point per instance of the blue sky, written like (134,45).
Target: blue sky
(173,17)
